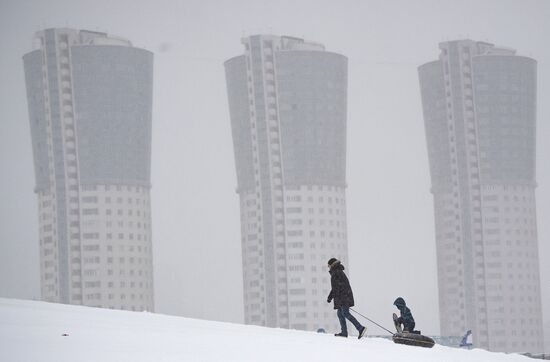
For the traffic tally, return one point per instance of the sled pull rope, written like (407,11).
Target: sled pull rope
(370,320)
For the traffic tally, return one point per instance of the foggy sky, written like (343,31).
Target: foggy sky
(195,209)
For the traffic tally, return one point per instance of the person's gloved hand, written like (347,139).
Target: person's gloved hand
(329,299)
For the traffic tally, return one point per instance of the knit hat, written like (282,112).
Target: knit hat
(332,261)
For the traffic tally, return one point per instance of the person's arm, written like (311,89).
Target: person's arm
(339,284)
(329,298)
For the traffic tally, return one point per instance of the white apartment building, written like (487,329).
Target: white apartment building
(89,98)
(287,100)
(479,106)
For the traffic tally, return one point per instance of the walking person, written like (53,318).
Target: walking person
(343,298)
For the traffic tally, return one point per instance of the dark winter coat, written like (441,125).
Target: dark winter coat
(341,290)
(406,315)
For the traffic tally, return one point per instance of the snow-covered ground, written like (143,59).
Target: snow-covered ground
(38,331)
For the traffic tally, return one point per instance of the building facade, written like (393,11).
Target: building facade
(287,102)
(90,101)
(479,106)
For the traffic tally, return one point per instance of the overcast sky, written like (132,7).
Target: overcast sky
(195,210)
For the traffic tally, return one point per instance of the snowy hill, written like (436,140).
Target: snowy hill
(34,331)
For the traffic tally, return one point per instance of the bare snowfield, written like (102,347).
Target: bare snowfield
(34,331)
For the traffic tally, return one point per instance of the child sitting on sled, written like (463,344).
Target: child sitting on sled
(406,319)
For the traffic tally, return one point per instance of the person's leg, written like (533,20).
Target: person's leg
(347,314)
(400,322)
(342,319)
(409,327)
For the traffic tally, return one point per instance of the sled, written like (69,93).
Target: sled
(410,338)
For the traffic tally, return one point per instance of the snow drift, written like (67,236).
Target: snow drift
(39,331)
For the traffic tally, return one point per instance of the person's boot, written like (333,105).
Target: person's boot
(362,332)
(341,334)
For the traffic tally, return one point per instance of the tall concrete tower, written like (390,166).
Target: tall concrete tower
(89,98)
(480,110)
(287,100)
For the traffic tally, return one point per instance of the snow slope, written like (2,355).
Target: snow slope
(33,331)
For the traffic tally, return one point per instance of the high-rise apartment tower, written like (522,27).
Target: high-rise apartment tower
(287,100)
(89,98)
(479,106)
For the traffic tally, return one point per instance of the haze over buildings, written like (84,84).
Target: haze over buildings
(479,105)
(287,101)
(196,227)
(89,99)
